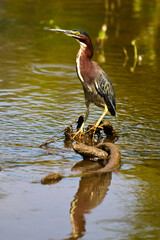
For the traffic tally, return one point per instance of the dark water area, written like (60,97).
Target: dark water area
(41,94)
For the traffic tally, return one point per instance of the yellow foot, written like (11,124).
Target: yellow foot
(78,133)
(93,129)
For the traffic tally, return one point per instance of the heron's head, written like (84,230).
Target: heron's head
(81,36)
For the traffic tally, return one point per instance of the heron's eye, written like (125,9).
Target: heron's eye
(76,33)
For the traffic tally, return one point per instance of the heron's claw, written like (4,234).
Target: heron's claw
(77,134)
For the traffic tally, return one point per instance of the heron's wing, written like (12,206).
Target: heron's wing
(105,88)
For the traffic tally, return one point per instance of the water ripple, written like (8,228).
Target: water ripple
(59,70)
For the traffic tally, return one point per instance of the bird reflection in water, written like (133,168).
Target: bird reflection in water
(91,192)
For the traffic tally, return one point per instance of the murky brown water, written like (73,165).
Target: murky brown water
(41,94)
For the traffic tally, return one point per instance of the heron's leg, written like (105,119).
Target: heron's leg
(80,131)
(103,115)
(99,120)
(85,119)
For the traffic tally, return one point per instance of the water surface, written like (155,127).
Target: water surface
(41,94)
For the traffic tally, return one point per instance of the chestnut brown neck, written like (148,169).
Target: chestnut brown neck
(84,63)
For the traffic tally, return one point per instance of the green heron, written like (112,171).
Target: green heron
(97,86)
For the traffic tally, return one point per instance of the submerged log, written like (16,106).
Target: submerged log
(87,166)
(51,178)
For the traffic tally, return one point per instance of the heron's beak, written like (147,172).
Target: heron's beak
(70,33)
